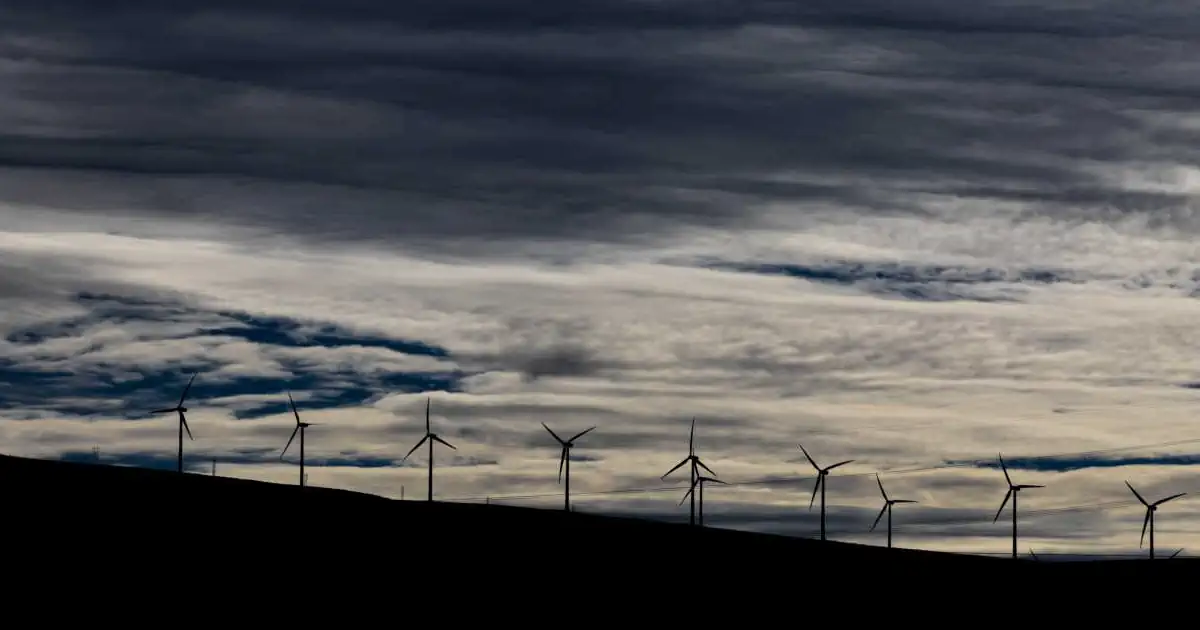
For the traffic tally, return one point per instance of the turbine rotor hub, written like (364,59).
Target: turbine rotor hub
(182,409)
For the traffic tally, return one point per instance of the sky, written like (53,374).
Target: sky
(914,235)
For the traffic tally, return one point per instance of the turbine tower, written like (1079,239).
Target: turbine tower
(1151,508)
(183,425)
(822,473)
(564,461)
(887,507)
(430,437)
(300,427)
(695,463)
(1013,491)
(699,483)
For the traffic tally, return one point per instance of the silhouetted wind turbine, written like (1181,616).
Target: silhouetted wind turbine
(1151,508)
(695,462)
(183,425)
(700,481)
(1013,491)
(822,473)
(887,507)
(300,427)
(430,437)
(565,461)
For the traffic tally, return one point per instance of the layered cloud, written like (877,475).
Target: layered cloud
(912,236)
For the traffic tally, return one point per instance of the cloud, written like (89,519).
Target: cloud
(912,236)
(1078,463)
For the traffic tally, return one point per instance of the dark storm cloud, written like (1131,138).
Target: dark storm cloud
(934,283)
(41,382)
(1065,464)
(583,120)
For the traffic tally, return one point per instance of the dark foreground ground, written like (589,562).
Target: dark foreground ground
(158,524)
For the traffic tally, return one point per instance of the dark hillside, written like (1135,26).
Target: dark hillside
(71,510)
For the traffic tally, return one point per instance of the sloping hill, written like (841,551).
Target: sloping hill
(72,510)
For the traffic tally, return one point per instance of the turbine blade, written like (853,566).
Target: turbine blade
(840,464)
(1145,522)
(562,460)
(186,390)
(881,490)
(560,440)
(1170,498)
(677,467)
(1005,469)
(445,443)
(1137,494)
(289,442)
(815,488)
(1002,504)
(1031,554)
(413,449)
(1177,552)
(881,513)
(687,494)
(809,458)
(715,480)
(581,434)
(692,438)
(165,410)
(894,501)
(294,412)
(183,419)
(1027,485)
(705,466)
(427,403)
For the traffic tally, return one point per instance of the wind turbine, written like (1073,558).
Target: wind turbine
(700,481)
(695,462)
(1013,491)
(183,425)
(822,473)
(300,427)
(1151,508)
(887,507)
(430,437)
(565,461)
(1177,552)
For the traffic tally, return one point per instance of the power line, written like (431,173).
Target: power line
(796,479)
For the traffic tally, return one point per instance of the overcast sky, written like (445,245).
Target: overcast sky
(910,234)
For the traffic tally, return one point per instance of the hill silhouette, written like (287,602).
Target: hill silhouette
(70,509)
